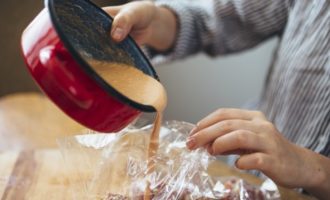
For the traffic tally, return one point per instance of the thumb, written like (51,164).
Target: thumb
(121,26)
(122,22)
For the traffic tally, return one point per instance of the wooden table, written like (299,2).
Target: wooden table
(31,166)
(31,121)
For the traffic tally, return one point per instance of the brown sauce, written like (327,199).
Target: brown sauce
(140,88)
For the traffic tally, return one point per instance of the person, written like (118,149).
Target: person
(288,136)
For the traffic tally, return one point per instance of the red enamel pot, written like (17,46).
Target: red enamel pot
(57,46)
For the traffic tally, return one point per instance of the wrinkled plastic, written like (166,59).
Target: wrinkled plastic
(113,166)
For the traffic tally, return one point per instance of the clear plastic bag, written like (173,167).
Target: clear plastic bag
(113,166)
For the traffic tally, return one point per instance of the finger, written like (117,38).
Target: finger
(209,134)
(140,36)
(112,10)
(227,114)
(121,26)
(257,161)
(209,149)
(237,152)
(241,141)
(125,17)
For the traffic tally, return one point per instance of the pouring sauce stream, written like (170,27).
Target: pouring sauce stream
(142,89)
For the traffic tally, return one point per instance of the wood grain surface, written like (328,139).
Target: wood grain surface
(31,166)
(34,175)
(30,120)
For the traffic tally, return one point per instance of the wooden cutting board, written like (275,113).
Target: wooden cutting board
(31,121)
(33,175)
(42,174)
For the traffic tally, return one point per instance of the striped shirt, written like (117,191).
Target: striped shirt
(296,96)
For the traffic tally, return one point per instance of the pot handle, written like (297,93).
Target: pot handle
(58,62)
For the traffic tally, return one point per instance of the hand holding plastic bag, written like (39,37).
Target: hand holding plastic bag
(115,165)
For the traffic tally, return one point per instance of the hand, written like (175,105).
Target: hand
(145,22)
(261,147)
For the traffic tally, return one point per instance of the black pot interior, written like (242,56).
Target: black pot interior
(84,29)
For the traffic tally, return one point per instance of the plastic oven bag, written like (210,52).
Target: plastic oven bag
(113,167)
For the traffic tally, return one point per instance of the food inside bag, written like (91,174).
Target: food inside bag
(114,166)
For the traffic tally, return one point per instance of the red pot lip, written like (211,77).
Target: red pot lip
(89,71)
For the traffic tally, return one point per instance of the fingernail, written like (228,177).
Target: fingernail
(191,143)
(118,33)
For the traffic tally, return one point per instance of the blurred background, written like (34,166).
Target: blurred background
(196,86)
(15,15)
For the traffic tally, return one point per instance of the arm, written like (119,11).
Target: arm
(262,147)
(321,174)
(181,28)
(220,27)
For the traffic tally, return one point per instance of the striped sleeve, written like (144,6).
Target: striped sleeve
(221,27)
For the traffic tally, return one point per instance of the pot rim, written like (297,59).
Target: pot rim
(49,4)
